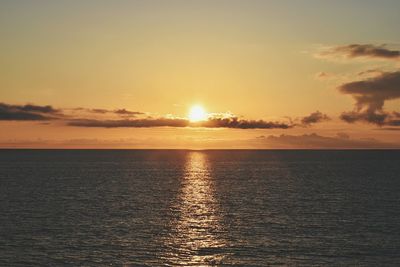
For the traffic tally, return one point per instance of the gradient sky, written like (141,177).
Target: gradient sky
(275,61)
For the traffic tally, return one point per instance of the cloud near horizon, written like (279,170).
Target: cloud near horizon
(28,112)
(312,141)
(352,51)
(283,141)
(121,112)
(216,120)
(313,118)
(232,122)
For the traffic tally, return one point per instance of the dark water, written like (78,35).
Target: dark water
(199,208)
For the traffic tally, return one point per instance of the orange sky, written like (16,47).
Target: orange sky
(269,74)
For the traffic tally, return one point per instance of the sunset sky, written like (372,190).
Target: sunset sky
(260,74)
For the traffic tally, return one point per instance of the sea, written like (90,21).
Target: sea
(199,208)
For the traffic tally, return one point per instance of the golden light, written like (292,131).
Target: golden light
(197,113)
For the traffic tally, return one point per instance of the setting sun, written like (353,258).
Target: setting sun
(197,113)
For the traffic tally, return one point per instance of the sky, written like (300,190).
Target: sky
(266,74)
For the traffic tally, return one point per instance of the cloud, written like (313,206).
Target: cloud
(122,112)
(370,72)
(83,117)
(373,92)
(315,141)
(98,110)
(27,112)
(370,95)
(127,112)
(306,141)
(342,135)
(324,75)
(233,122)
(313,118)
(236,123)
(137,123)
(360,51)
(380,118)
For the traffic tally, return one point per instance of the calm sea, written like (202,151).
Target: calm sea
(199,208)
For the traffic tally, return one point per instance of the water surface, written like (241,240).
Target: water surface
(199,208)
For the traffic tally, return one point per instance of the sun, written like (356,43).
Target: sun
(197,113)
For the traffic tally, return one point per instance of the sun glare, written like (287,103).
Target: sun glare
(197,113)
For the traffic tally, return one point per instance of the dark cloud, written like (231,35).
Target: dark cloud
(83,119)
(137,123)
(105,111)
(36,108)
(234,122)
(127,112)
(27,112)
(362,50)
(367,116)
(393,122)
(373,92)
(177,122)
(370,95)
(370,72)
(99,110)
(313,118)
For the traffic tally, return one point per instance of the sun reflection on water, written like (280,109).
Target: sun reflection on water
(196,236)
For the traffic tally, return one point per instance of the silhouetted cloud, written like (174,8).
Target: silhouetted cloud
(234,122)
(178,122)
(127,112)
(83,117)
(137,123)
(378,118)
(121,112)
(361,50)
(370,95)
(373,92)
(313,118)
(98,110)
(27,112)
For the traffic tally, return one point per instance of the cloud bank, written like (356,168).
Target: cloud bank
(122,118)
(233,123)
(315,141)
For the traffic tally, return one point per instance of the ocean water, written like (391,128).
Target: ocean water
(199,208)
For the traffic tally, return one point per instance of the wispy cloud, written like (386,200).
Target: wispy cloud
(120,112)
(352,51)
(322,75)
